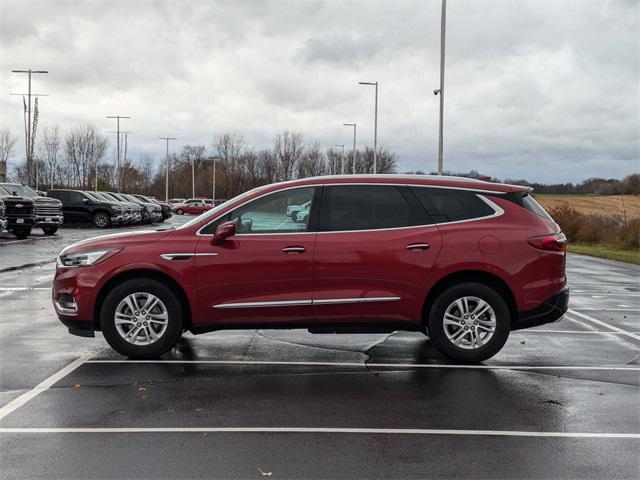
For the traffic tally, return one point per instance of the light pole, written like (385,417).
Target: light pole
(341,159)
(375,128)
(443,21)
(354,143)
(29,145)
(193,177)
(166,187)
(118,117)
(213,178)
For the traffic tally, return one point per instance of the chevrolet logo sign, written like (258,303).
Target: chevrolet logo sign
(19,205)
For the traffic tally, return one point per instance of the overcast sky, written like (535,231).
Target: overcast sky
(543,90)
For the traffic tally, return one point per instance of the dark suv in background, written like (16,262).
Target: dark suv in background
(79,207)
(49,215)
(19,212)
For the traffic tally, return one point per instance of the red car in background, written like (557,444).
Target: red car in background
(461,260)
(193,206)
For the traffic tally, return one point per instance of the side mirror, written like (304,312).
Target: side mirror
(85,200)
(224,231)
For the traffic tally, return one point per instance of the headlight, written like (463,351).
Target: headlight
(117,208)
(84,259)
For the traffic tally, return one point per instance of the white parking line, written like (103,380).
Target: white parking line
(20,289)
(635,310)
(42,386)
(366,431)
(604,324)
(379,365)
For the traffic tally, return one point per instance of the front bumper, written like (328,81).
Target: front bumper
(117,219)
(46,220)
(551,310)
(17,222)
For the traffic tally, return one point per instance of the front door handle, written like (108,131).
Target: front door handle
(418,246)
(293,249)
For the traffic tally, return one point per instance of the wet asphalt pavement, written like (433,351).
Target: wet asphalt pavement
(559,401)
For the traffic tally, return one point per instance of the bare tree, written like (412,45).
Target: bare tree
(84,149)
(312,163)
(49,153)
(7,143)
(287,150)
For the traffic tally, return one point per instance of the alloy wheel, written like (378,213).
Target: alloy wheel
(469,322)
(141,318)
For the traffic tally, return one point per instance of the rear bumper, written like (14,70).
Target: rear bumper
(548,311)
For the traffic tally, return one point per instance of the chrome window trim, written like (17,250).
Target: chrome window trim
(498,210)
(299,303)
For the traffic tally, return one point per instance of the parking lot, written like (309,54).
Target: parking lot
(559,401)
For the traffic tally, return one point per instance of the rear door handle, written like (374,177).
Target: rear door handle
(418,246)
(293,249)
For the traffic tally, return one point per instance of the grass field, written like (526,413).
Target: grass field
(605,205)
(596,227)
(610,252)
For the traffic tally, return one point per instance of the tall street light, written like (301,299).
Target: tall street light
(166,186)
(118,117)
(443,21)
(375,128)
(213,178)
(29,145)
(341,159)
(354,144)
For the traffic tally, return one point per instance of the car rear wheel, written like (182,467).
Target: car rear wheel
(141,318)
(179,211)
(101,220)
(469,322)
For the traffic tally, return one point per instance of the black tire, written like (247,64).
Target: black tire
(436,328)
(170,336)
(49,230)
(101,220)
(22,232)
(179,211)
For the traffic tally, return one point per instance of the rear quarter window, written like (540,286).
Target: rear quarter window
(452,205)
(533,206)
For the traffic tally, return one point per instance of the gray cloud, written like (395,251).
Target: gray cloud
(543,90)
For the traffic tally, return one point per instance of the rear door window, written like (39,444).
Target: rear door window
(368,207)
(445,205)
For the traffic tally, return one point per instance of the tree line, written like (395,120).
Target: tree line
(82,157)
(79,158)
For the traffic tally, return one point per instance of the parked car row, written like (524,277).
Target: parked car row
(106,209)
(23,209)
(194,206)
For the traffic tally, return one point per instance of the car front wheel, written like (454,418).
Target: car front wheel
(49,230)
(22,232)
(469,322)
(141,318)
(179,211)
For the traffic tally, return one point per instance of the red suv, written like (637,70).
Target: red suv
(464,261)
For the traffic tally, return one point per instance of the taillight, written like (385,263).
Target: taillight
(556,242)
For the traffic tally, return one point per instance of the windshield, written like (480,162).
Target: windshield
(215,210)
(94,196)
(20,191)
